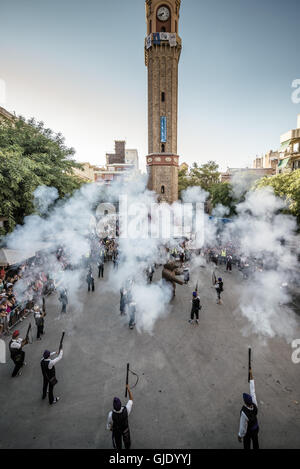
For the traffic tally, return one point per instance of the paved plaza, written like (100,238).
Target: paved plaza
(191,378)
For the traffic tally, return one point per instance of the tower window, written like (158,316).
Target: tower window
(162,189)
(150,26)
(163,148)
(163,30)
(163,97)
(176,28)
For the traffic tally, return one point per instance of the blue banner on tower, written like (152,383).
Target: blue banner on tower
(156,38)
(163,129)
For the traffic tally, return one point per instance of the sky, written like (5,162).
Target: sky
(79,67)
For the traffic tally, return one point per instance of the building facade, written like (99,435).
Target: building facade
(122,163)
(87,173)
(5,115)
(269,160)
(289,152)
(252,174)
(162,54)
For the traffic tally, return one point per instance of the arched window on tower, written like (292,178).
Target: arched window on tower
(163,148)
(176,27)
(162,189)
(163,29)
(150,26)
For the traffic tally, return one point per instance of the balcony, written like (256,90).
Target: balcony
(290,135)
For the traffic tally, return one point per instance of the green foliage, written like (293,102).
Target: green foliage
(286,185)
(183,181)
(207,176)
(31,155)
(204,176)
(221,193)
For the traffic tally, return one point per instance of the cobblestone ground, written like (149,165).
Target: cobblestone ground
(191,382)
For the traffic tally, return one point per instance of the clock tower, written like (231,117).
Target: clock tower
(162,54)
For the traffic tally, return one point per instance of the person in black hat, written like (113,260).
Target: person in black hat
(48,370)
(117,422)
(219,288)
(196,306)
(90,280)
(249,428)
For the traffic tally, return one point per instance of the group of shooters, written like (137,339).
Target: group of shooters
(117,421)
(17,354)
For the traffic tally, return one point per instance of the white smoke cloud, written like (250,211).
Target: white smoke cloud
(263,233)
(44,197)
(259,227)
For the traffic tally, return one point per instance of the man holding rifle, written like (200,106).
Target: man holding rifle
(117,422)
(48,370)
(16,353)
(248,416)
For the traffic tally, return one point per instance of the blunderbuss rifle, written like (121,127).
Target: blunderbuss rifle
(196,288)
(61,342)
(127,373)
(249,364)
(128,370)
(44,305)
(214,278)
(27,333)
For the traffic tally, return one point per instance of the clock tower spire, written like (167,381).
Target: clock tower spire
(162,54)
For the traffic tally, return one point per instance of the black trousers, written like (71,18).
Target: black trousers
(91,284)
(40,331)
(100,271)
(18,363)
(251,436)
(194,312)
(45,387)
(64,307)
(117,439)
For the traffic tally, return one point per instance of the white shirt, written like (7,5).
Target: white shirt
(16,343)
(244,418)
(56,360)
(109,424)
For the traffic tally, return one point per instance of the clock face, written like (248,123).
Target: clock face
(163,13)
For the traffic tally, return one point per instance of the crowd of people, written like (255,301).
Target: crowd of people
(36,283)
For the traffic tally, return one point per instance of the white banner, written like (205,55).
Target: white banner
(164,36)
(149,41)
(172,39)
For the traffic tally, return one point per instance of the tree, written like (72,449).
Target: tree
(32,155)
(183,181)
(222,194)
(204,176)
(287,186)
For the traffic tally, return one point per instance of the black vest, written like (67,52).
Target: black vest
(251,415)
(195,304)
(120,421)
(14,352)
(45,369)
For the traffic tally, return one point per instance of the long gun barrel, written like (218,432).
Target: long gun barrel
(61,342)
(249,364)
(27,333)
(127,373)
